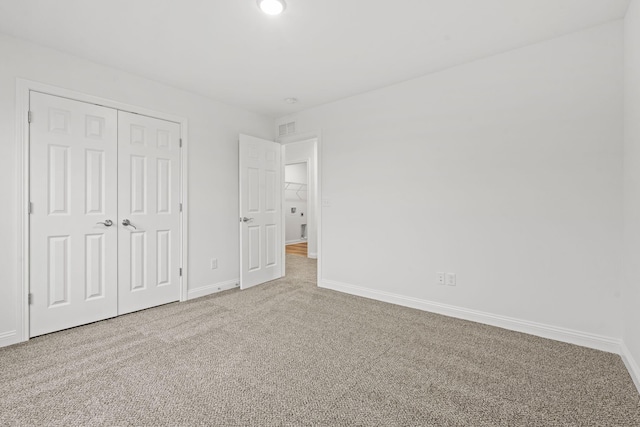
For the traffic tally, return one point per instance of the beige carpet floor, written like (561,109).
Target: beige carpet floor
(289,353)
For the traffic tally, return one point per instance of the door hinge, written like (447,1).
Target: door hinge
(30,299)
(30,208)
(180,207)
(180,142)
(180,271)
(29,116)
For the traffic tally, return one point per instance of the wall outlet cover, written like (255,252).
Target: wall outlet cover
(451,279)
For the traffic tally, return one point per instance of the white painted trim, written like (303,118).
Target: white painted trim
(319,173)
(631,364)
(598,342)
(23,89)
(9,338)
(212,289)
(110,103)
(283,220)
(184,217)
(312,255)
(22,149)
(298,137)
(294,242)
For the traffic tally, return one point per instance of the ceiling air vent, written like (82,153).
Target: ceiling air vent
(286,128)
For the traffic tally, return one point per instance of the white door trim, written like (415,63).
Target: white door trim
(301,137)
(23,88)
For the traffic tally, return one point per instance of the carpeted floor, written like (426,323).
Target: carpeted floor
(289,353)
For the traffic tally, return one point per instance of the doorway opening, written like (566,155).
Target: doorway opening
(296,191)
(300,208)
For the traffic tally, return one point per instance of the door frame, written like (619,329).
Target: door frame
(301,137)
(23,89)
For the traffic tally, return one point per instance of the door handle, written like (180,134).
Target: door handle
(245,219)
(126,222)
(107,223)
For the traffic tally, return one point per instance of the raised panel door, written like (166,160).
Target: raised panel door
(73,191)
(149,202)
(260,211)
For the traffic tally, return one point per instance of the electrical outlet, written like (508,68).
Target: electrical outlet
(214,263)
(451,279)
(440,278)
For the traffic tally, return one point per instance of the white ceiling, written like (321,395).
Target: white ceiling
(317,50)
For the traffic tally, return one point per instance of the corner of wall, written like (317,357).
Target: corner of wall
(630,349)
(570,336)
(9,338)
(631,364)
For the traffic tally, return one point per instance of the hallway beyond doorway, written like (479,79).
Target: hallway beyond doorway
(297,249)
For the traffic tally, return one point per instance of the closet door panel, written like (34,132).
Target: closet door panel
(73,191)
(149,212)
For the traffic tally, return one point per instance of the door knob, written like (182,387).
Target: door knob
(107,223)
(245,219)
(126,222)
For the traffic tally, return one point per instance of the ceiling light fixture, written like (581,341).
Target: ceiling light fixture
(291,100)
(272,7)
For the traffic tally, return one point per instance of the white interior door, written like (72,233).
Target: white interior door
(73,230)
(148,212)
(260,211)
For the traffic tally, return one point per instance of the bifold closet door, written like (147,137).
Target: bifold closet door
(148,212)
(73,230)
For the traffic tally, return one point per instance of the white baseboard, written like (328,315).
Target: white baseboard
(313,255)
(9,338)
(598,342)
(631,364)
(295,242)
(212,289)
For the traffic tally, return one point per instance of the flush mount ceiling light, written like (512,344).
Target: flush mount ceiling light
(272,7)
(291,100)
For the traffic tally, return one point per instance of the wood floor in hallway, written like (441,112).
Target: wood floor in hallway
(297,249)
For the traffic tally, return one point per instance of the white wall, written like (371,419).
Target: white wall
(300,152)
(631,290)
(296,172)
(213,159)
(294,221)
(506,171)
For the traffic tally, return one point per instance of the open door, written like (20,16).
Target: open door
(260,211)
